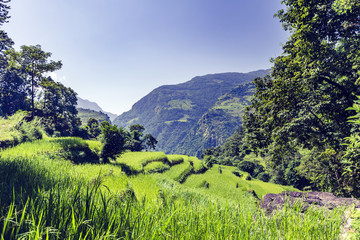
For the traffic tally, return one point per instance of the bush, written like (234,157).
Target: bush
(114,140)
(265,177)
(248,177)
(247,166)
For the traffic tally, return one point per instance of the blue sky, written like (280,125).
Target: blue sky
(114,52)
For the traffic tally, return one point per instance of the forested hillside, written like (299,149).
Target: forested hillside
(218,123)
(177,113)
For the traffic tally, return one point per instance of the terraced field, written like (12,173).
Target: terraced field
(146,195)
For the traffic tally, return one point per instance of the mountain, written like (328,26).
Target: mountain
(174,114)
(85,114)
(86,104)
(218,123)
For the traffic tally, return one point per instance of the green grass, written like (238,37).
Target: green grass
(154,167)
(197,163)
(44,195)
(176,159)
(229,186)
(7,126)
(178,170)
(135,161)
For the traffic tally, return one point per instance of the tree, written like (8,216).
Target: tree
(93,128)
(113,139)
(137,127)
(13,94)
(135,142)
(59,107)
(33,63)
(5,42)
(150,141)
(302,104)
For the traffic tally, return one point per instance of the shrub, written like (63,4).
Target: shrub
(114,140)
(265,177)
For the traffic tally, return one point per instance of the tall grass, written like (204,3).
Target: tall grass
(45,196)
(15,130)
(90,212)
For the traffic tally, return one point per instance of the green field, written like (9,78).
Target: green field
(48,191)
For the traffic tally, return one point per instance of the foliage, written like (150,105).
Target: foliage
(32,63)
(59,107)
(13,94)
(93,128)
(113,139)
(137,141)
(302,104)
(264,176)
(150,141)
(16,129)
(5,42)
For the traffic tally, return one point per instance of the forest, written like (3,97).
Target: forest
(64,179)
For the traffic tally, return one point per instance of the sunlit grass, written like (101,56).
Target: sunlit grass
(136,161)
(221,181)
(57,199)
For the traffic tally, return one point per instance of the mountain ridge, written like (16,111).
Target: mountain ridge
(169,112)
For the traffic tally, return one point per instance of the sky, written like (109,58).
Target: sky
(114,52)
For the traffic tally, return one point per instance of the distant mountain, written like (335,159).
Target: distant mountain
(85,114)
(86,104)
(183,117)
(218,123)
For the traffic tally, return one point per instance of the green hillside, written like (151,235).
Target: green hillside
(218,123)
(173,113)
(85,114)
(48,190)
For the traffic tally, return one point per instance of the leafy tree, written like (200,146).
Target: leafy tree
(302,104)
(59,107)
(137,127)
(137,141)
(264,176)
(33,63)
(13,94)
(150,141)
(247,166)
(93,128)
(232,152)
(113,139)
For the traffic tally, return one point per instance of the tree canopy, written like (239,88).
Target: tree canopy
(32,62)
(302,104)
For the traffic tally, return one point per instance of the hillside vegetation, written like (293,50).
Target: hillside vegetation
(46,193)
